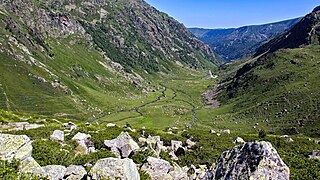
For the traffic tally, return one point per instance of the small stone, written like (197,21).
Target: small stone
(111,125)
(57,136)
(238,140)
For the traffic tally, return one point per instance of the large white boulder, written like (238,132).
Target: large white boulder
(122,146)
(57,135)
(15,147)
(113,168)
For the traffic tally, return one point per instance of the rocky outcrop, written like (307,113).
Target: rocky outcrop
(122,146)
(75,172)
(15,147)
(113,168)
(252,160)
(54,172)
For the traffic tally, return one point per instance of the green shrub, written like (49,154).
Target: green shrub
(144,175)
(92,157)
(51,153)
(140,156)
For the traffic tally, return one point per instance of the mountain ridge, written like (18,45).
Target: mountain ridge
(236,43)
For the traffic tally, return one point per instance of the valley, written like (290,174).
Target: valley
(115,89)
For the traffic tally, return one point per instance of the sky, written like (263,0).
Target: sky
(233,13)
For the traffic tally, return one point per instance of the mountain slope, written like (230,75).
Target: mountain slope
(280,90)
(85,58)
(236,43)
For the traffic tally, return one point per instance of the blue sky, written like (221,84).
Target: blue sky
(233,13)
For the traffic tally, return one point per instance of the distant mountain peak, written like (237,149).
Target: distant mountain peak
(305,32)
(236,43)
(316,9)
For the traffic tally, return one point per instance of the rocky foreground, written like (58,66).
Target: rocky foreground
(251,160)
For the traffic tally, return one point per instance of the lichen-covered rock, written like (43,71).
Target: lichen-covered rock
(122,146)
(157,168)
(57,136)
(113,168)
(29,165)
(75,172)
(252,160)
(15,147)
(54,172)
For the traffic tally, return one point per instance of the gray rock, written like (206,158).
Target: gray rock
(113,168)
(75,172)
(15,147)
(252,160)
(157,168)
(83,140)
(54,172)
(57,136)
(122,146)
(29,165)
(315,155)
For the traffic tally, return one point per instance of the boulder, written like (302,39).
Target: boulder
(315,155)
(83,140)
(15,147)
(252,160)
(238,140)
(57,136)
(54,172)
(75,172)
(29,165)
(122,146)
(113,168)
(157,168)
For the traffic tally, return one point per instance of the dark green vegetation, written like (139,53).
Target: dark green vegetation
(236,43)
